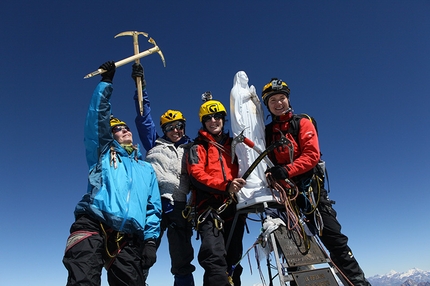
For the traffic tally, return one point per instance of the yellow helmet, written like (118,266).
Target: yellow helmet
(211,107)
(170,116)
(275,86)
(115,121)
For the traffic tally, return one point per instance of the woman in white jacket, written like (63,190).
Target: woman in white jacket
(167,156)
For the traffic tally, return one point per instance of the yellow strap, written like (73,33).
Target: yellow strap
(118,238)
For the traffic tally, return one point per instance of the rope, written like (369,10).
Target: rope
(288,193)
(118,238)
(287,197)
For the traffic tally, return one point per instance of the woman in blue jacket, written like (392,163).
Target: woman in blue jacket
(118,220)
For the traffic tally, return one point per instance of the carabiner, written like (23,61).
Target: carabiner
(186,212)
(204,215)
(224,206)
(218,221)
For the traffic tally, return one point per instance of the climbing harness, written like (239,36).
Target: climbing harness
(214,214)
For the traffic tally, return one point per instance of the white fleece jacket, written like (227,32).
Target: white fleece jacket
(171,169)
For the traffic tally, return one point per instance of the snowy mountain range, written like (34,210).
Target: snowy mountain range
(413,277)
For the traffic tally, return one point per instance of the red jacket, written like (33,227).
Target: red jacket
(211,170)
(306,153)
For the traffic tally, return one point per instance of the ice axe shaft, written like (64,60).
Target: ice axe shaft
(263,155)
(140,55)
(135,36)
(125,61)
(138,79)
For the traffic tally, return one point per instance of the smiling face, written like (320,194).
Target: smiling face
(214,123)
(122,134)
(278,104)
(174,130)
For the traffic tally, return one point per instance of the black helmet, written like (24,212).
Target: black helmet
(275,86)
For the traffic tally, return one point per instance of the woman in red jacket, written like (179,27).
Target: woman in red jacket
(215,181)
(298,166)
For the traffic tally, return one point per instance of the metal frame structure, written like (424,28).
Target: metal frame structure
(292,265)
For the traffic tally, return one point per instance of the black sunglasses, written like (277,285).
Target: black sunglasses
(116,129)
(171,127)
(217,116)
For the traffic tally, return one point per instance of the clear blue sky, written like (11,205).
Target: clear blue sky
(361,68)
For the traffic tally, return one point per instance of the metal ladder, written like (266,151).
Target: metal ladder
(293,265)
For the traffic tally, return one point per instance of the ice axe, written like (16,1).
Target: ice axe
(242,139)
(122,62)
(262,154)
(135,35)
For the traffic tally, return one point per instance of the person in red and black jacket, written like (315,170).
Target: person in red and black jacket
(300,167)
(215,181)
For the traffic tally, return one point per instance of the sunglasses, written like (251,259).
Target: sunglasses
(216,116)
(120,128)
(171,127)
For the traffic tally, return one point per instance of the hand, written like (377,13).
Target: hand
(278,172)
(137,71)
(236,185)
(149,253)
(110,71)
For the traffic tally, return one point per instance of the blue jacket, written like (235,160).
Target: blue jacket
(144,123)
(126,196)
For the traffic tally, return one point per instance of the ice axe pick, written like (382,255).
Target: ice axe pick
(122,62)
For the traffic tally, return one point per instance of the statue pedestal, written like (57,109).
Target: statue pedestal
(247,197)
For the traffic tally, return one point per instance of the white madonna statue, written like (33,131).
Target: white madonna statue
(247,115)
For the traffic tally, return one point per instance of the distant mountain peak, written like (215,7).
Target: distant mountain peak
(412,277)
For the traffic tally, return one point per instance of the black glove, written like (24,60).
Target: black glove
(149,253)
(137,71)
(166,205)
(278,172)
(110,71)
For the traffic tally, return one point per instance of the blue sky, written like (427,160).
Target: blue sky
(360,68)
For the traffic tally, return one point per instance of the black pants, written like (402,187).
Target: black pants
(337,243)
(84,261)
(179,233)
(213,256)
